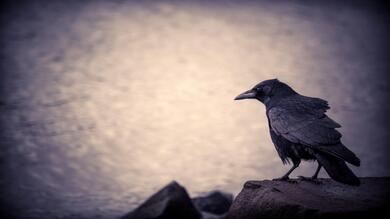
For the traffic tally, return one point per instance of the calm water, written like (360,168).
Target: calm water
(105,102)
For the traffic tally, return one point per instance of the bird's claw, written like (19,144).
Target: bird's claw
(286,179)
(283,178)
(309,179)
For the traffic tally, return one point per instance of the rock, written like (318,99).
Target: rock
(173,202)
(206,215)
(170,202)
(303,199)
(216,202)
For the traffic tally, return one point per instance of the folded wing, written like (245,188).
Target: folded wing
(302,120)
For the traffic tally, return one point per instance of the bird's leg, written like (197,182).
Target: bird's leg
(314,177)
(317,171)
(285,176)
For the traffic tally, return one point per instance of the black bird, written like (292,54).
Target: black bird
(300,130)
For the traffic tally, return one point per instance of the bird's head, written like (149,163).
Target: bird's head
(267,90)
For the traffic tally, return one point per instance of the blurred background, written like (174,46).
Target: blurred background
(104,102)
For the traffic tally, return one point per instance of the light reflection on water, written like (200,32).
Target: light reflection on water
(107,102)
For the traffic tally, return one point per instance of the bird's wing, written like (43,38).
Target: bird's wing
(305,128)
(306,124)
(302,120)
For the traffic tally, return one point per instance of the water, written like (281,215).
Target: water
(104,102)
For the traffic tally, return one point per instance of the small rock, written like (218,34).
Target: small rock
(216,202)
(170,202)
(206,215)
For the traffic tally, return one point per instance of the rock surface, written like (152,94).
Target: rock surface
(303,199)
(173,201)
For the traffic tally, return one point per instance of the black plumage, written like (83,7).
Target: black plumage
(300,130)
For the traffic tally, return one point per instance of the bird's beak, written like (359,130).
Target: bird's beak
(250,94)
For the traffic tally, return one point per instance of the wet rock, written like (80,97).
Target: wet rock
(216,202)
(170,202)
(303,199)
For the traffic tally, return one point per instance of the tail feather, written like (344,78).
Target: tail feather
(340,151)
(337,169)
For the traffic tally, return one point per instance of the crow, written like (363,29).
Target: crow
(300,130)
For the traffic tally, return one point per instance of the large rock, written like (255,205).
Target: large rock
(303,199)
(169,203)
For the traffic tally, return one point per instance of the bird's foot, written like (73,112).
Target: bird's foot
(286,179)
(309,179)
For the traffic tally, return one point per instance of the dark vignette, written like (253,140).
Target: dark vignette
(11,9)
